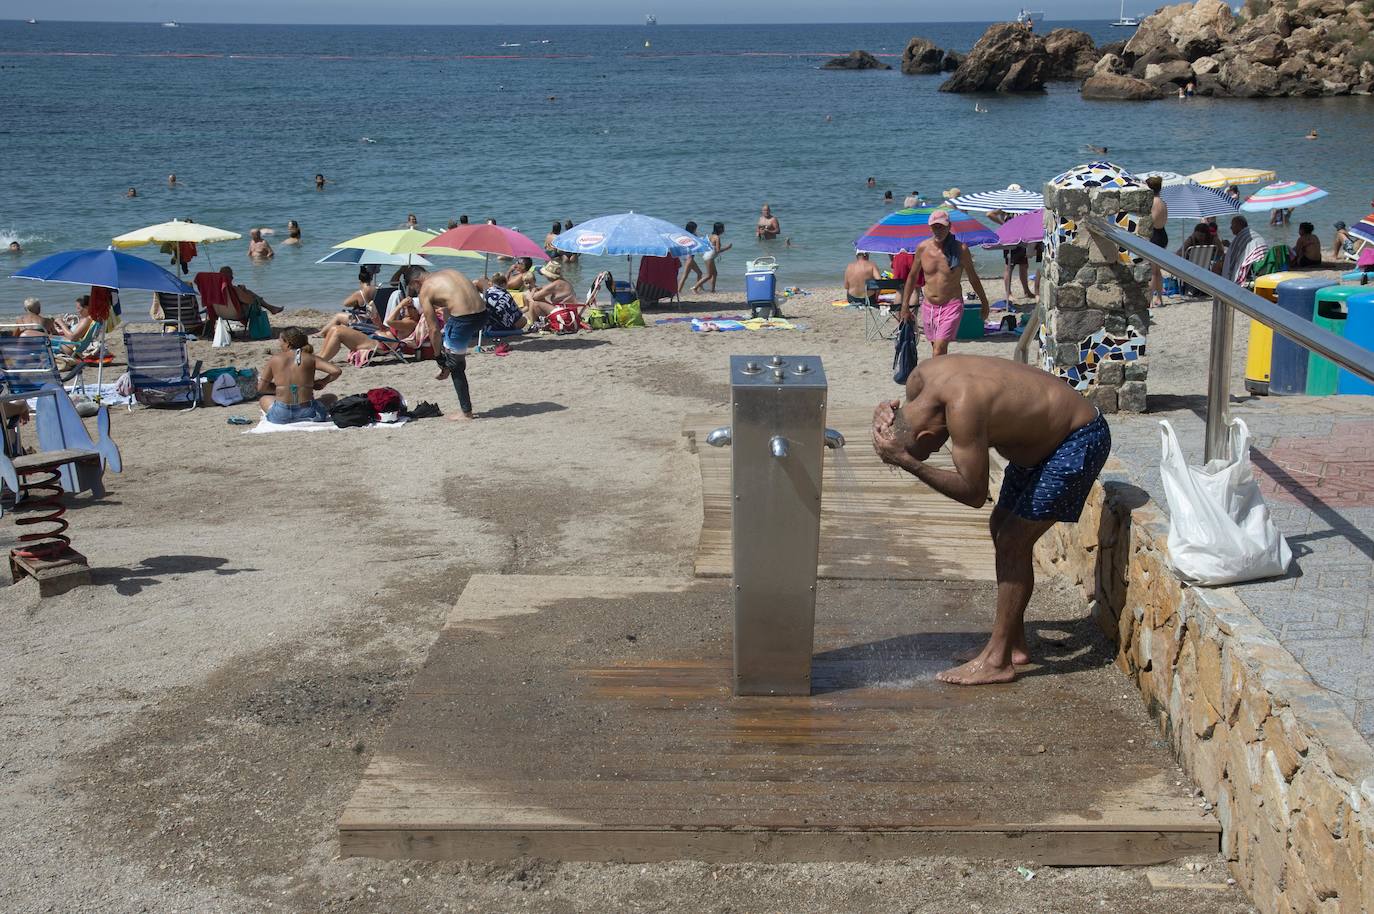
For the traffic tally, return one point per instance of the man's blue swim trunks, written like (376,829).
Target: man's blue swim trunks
(1058,487)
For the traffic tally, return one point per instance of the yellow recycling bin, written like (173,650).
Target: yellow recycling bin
(1259,355)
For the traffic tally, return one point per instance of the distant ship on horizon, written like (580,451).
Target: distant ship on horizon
(1124,21)
(171,25)
(651,19)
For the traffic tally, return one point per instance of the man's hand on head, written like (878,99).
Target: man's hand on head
(887,440)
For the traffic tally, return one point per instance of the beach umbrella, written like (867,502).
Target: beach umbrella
(906,228)
(628,234)
(1364,229)
(405,242)
(1012,199)
(1027,228)
(176,232)
(1191,200)
(486,240)
(365,257)
(1167,177)
(1225,177)
(1282,195)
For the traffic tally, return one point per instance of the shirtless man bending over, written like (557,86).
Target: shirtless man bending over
(1055,442)
(856,277)
(944,261)
(287,384)
(452,311)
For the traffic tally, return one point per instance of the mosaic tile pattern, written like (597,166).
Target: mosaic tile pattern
(1092,351)
(1131,224)
(1100,174)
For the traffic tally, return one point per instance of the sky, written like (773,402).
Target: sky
(547,12)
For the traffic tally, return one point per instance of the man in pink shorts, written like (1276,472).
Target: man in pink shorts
(943,262)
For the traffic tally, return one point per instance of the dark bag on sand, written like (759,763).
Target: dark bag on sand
(386,400)
(353,411)
(904,354)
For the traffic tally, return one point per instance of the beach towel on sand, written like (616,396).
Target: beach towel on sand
(264,427)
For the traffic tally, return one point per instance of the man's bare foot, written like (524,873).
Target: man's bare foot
(460,417)
(442,375)
(1019,655)
(977,672)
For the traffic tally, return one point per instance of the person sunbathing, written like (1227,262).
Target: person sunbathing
(520,277)
(78,330)
(548,299)
(401,328)
(287,384)
(502,311)
(32,322)
(247,298)
(358,307)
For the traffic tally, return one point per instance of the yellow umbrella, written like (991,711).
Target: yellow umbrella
(1225,177)
(176,230)
(404,241)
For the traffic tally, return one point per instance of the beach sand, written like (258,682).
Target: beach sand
(182,734)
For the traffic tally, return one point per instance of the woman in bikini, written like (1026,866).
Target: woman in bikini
(287,384)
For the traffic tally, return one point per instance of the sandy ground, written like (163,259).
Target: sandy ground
(181,735)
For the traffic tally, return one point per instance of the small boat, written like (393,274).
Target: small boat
(507,44)
(651,19)
(31,21)
(1125,22)
(171,25)
(1030,18)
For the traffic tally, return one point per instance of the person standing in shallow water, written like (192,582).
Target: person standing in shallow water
(690,264)
(718,247)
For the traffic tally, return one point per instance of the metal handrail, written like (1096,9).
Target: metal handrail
(1227,298)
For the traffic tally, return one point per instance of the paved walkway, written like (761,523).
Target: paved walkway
(1314,458)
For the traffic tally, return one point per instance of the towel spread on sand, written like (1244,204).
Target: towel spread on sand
(266,428)
(707,317)
(756,323)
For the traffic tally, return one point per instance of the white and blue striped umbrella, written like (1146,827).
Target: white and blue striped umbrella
(628,235)
(374,258)
(1011,199)
(1282,195)
(1193,201)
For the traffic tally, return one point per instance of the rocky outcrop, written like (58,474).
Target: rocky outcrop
(855,60)
(922,57)
(952,61)
(1071,53)
(1008,58)
(1304,49)
(1119,88)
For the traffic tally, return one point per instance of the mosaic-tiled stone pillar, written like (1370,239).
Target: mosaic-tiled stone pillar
(1095,296)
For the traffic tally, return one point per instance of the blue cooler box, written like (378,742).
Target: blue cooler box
(760,288)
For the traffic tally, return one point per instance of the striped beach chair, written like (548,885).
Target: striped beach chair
(160,373)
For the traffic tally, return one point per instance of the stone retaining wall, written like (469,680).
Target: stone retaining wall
(1290,778)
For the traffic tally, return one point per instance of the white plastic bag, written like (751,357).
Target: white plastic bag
(1220,531)
(222,337)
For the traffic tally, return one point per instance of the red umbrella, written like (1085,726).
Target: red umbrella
(488,239)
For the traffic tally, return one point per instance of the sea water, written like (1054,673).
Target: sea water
(706,123)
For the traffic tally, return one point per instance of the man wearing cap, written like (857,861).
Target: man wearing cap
(944,261)
(549,298)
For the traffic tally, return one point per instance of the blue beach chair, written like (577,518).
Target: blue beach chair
(160,373)
(27,364)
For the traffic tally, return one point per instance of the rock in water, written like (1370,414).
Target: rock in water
(1112,86)
(1008,58)
(1071,52)
(921,57)
(855,60)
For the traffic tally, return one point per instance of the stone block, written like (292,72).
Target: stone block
(1107,296)
(1136,201)
(1070,203)
(1051,194)
(1274,790)
(1287,758)
(1104,202)
(1209,671)
(1113,373)
(1066,354)
(1076,325)
(1243,767)
(1104,398)
(1068,298)
(1135,295)
(1086,276)
(1314,791)
(1071,256)
(1101,251)
(1137,371)
(1132,397)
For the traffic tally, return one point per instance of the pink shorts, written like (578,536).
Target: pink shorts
(942,321)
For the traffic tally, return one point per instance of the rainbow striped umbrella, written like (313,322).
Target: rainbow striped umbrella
(1364,229)
(903,229)
(1282,195)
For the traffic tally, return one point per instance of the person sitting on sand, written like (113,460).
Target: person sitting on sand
(1307,250)
(502,311)
(549,298)
(1055,443)
(258,248)
(856,276)
(1343,245)
(520,277)
(32,322)
(287,383)
(247,298)
(768,227)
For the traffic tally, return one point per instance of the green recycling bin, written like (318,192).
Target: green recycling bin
(1329,312)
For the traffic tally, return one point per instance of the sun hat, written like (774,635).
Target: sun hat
(939,217)
(552,270)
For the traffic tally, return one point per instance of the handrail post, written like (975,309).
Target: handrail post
(1217,442)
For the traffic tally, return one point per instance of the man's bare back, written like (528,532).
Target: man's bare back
(1024,412)
(857,275)
(455,294)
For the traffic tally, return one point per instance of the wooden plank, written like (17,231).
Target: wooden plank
(519,739)
(876,523)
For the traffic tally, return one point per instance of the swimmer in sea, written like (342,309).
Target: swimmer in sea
(1097,150)
(172,180)
(1311,134)
(319,182)
(293,232)
(14,248)
(131,193)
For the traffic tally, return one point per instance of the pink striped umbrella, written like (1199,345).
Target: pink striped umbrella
(1282,195)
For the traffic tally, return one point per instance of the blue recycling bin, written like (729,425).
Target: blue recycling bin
(1359,329)
(1288,374)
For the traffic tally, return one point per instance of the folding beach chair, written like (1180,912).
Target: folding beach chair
(657,280)
(27,364)
(880,320)
(183,310)
(159,370)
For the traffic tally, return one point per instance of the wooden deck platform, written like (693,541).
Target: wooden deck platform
(875,522)
(579,718)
